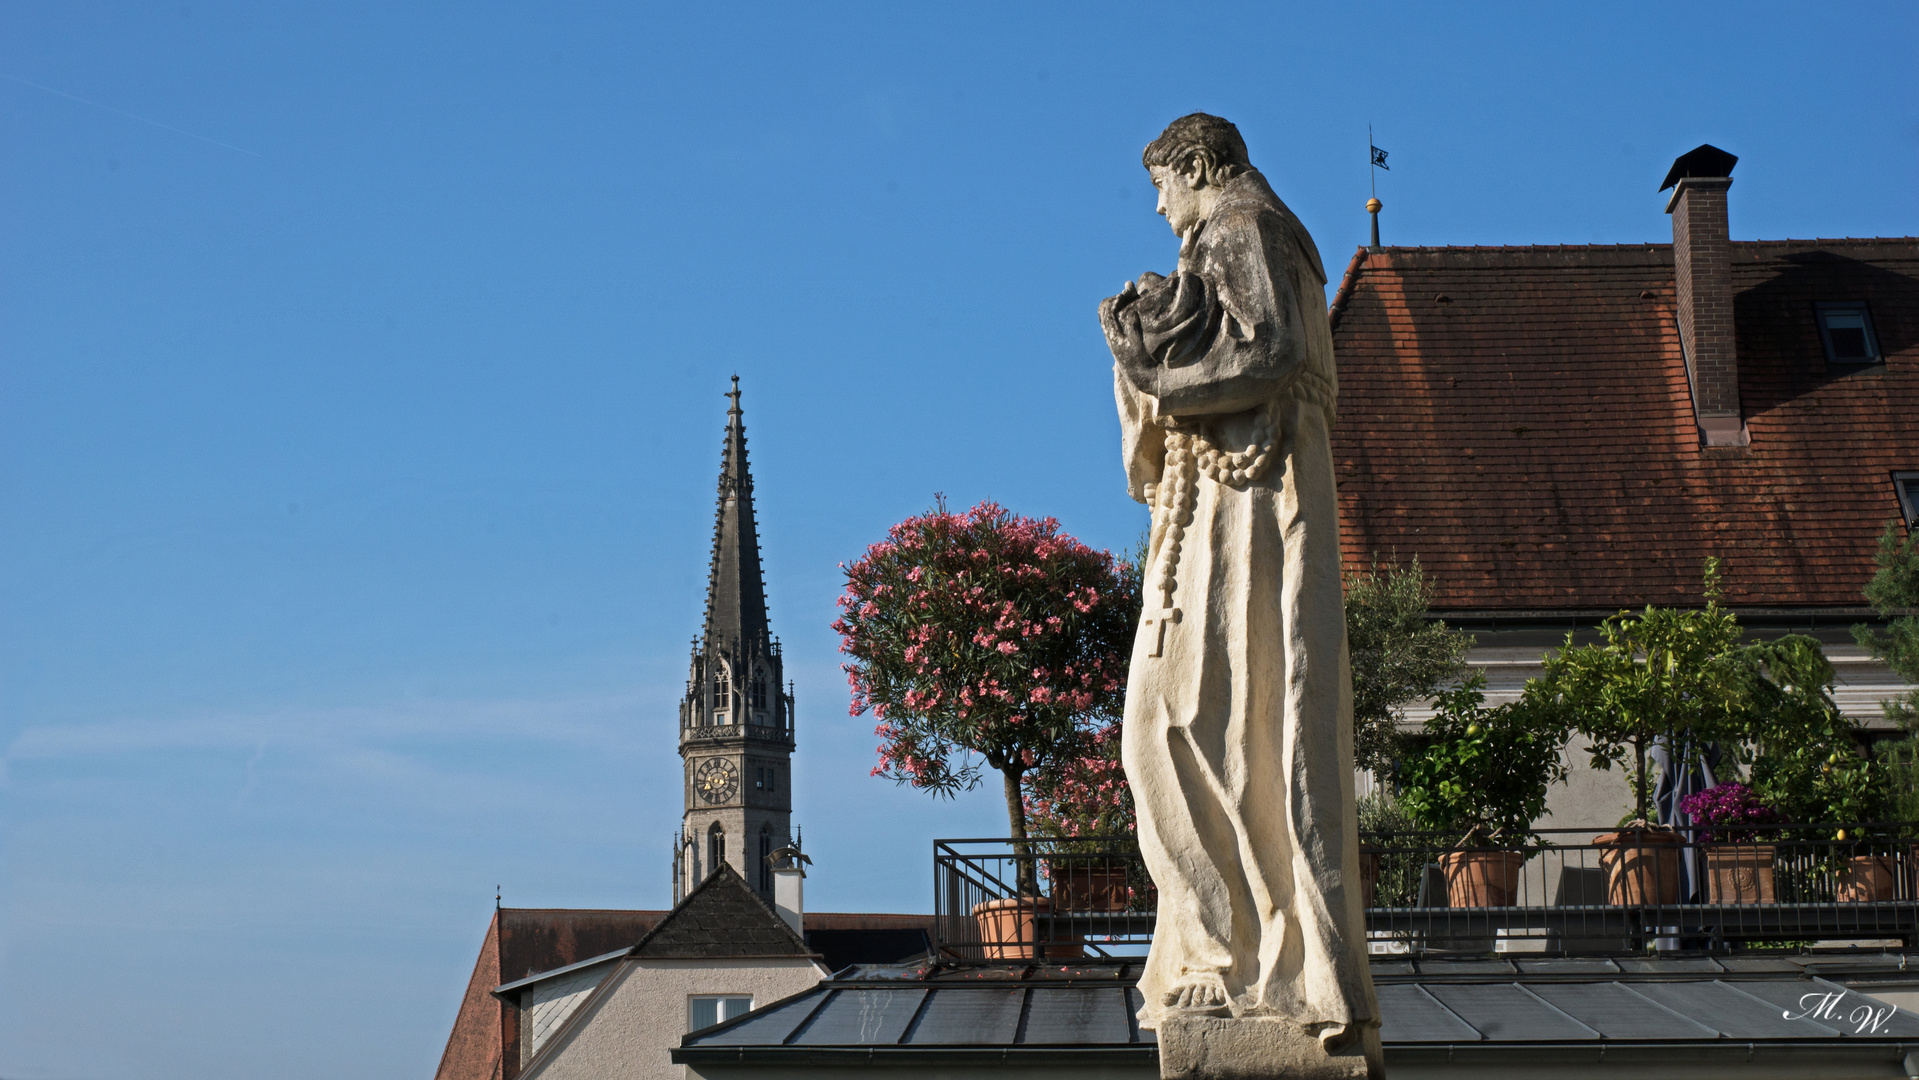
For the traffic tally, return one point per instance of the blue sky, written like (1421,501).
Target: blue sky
(360,375)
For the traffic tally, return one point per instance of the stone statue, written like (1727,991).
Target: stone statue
(1238,734)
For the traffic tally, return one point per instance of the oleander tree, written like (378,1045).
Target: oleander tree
(1084,793)
(985,641)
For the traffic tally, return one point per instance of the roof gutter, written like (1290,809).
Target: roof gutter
(1833,1059)
(1829,1058)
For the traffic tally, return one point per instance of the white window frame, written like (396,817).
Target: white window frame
(726,1007)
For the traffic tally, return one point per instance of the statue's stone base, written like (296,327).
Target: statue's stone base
(1259,1048)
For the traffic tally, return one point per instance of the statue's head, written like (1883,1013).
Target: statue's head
(1189,162)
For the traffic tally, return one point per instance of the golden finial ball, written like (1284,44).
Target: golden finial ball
(1373,206)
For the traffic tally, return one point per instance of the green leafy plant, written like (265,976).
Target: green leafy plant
(1486,771)
(1385,825)
(1667,673)
(1894,593)
(1399,655)
(1809,761)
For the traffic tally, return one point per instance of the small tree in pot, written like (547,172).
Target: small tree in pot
(1668,674)
(1485,775)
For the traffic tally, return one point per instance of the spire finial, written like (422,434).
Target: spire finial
(734,394)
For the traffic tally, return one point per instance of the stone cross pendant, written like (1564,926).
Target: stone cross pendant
(1165,618)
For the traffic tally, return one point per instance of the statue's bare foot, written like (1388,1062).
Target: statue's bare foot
(1198,994)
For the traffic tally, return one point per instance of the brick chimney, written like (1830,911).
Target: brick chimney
(1702,269)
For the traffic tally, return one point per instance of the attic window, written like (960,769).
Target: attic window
(705,1010)
(1906,486)
(1846,330)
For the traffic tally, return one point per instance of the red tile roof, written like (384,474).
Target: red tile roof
(1519,419)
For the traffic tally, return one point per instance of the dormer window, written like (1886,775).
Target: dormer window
(1846,330)
(1906,486)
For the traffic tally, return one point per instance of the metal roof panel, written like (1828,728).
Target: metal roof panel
(1506,1012)
(1848,1011)
(856,1017)
(960,1015)
(1409,1014)
(1729,1012)
(1060,1014)
(1616,1012)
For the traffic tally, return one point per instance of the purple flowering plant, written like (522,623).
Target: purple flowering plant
(1731,813)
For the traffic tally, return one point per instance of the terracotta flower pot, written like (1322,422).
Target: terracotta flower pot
(1094,886)
(1482,877)
(1867,878)
(1009,929)
(1740,873)
(1641,865)
(1369,877)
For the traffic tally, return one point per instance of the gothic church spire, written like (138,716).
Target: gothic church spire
(735,591)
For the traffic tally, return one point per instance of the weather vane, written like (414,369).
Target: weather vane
(1377,160)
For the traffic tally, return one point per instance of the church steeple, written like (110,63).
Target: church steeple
(736,720)
(735,592)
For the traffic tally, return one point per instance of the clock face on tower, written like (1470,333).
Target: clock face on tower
(716,780)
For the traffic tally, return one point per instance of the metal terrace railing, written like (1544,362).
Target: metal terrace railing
(1574,891)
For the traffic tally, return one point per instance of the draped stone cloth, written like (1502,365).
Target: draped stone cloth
(1238,728)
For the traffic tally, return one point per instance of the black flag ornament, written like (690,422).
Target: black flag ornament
(1379,159)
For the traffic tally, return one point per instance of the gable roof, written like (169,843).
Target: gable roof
(525,942)
(484,1043)
(1519,418)
(721,918)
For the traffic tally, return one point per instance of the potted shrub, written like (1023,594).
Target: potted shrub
(1739,854)
(1667,674)
(985,641)
(1893,593)
(1811,765)
(1484,775)
(1390,864)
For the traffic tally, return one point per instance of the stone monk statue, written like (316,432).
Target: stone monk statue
(1238,733)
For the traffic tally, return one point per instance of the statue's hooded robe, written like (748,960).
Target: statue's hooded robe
(1238,734)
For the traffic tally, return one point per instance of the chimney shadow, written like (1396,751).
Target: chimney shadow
(1781,356)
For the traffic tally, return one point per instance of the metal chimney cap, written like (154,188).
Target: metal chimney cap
(1703,160)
